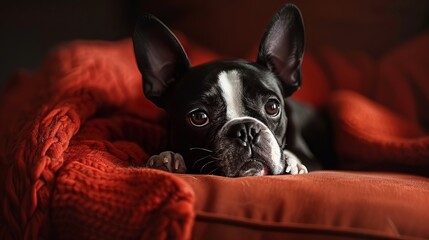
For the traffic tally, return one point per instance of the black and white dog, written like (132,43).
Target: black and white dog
(230,117)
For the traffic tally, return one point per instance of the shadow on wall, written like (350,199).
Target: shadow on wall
(232,27)
(29,29)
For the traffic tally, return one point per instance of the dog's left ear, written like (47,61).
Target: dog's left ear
(160,57)
(282,47)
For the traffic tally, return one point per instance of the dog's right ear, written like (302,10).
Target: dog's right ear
(160,57)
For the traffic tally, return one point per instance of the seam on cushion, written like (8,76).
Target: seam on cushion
(302,228)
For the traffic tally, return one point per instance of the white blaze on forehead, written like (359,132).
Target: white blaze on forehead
(232,92)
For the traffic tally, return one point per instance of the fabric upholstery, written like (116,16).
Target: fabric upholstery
(320,205)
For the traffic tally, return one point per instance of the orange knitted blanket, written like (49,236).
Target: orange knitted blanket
(74,135)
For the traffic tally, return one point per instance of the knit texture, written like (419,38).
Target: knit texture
(74,139)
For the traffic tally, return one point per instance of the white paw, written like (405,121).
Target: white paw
(167,161)
(294,165)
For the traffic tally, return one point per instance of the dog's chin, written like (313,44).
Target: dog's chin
(253,168)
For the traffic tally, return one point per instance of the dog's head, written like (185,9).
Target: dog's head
(225,117)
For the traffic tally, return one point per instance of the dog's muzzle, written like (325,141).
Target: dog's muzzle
(249,148)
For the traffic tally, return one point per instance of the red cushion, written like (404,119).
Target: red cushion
(319,205)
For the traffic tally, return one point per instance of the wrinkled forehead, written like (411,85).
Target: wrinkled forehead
(239,89)
(231,75)
(228,82)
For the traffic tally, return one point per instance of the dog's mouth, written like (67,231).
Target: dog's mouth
(253,168)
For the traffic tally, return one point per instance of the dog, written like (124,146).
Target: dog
(231,117)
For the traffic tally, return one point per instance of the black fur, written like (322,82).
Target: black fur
(172,84)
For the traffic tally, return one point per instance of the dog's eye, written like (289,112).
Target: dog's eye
(198,118)
(272,107)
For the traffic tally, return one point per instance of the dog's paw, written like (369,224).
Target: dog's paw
(167,161)
(294,165)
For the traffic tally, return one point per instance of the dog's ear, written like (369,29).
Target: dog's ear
(282,47)
(160,57)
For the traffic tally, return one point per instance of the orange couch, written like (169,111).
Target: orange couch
(75,135)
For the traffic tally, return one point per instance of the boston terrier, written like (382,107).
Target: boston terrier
(230,117)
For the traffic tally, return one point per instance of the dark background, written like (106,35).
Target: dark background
(29,29)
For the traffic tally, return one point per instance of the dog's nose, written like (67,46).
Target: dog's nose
(247,133)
